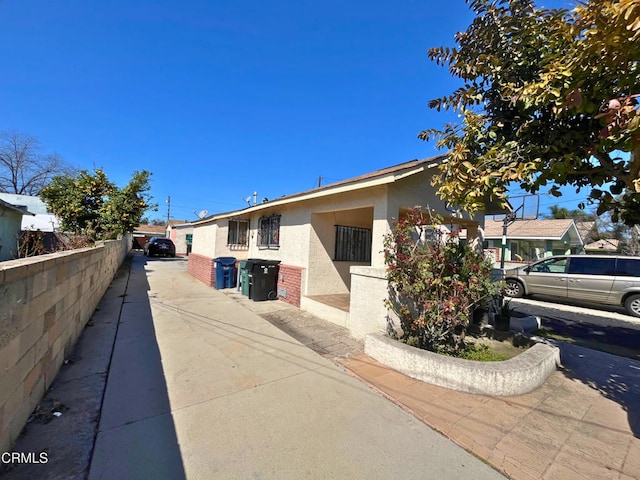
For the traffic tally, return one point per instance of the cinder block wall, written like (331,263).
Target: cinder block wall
(202,268)
(45,303)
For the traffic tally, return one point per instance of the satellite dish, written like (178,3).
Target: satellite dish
(248,200)
(202,214)
(454,209)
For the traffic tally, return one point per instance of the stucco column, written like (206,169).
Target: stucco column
(381,227)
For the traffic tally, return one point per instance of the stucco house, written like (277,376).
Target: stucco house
(39,217)
(181,233)
(329,241)
(10,228)
(530,240)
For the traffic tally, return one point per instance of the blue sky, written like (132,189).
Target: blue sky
(223,98)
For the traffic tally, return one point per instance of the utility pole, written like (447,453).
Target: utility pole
(168,208)
(508,220)
(319,181)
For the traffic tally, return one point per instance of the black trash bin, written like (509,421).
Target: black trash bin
(225,272)
(247,275)
(263,284)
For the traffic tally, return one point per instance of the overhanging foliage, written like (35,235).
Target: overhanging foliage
(550,97)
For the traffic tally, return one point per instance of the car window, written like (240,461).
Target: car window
(553,265)
(628,267)
(592,266)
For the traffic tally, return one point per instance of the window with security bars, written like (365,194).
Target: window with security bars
(353,244)
(269,231)
(238,232)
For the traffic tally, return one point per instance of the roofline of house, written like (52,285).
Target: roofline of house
(18,208)
(514,237)
(548,237)
(373,179)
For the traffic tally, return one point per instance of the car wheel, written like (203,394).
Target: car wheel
(514,289)
(632,305)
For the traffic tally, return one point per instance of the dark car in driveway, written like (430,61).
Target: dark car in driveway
(160,246)
(602,279)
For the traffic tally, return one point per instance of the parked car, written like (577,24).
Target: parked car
(159,246)
(603,279)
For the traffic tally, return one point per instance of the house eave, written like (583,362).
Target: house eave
(16,208)
(516,237)
(346,186)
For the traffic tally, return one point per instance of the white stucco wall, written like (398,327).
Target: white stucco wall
(210,240)
(331,276)
(204,239)
(239,252)
(179,237)
(294,236)
(324,276)
(367,312)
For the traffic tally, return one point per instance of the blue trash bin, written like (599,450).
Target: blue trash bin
(225,268)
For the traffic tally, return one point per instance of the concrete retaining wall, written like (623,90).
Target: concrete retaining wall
(45,303)
(515,376)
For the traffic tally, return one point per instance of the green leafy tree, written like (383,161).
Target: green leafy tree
(125,207)
(578,215)
(548,97)
(434,284)
(89,204)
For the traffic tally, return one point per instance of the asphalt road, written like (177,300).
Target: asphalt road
(606,324)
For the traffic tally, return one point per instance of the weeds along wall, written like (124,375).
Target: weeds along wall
(45,303)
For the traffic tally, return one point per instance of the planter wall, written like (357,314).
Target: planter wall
(516,376)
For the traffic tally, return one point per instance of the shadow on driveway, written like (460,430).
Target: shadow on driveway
(136,436)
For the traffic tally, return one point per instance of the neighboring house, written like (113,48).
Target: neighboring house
(329,241)
(181,233)
(39,218)
(530,240)
(603,247)
(142,234)
(588,232)
(10,228)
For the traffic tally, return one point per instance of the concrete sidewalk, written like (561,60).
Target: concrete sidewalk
(201,387)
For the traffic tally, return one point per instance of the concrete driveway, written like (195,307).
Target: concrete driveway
(201,387)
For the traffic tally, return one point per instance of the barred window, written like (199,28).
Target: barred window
(353,244)
(238,232)
(269,231)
